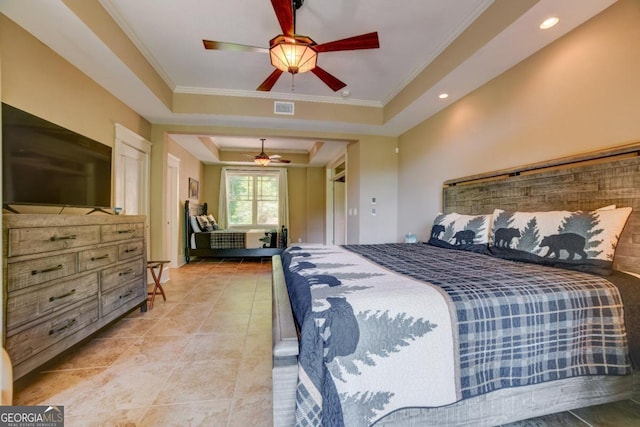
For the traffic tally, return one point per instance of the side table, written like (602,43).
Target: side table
(157,288)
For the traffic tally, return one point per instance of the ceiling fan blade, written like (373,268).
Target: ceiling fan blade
(328,79)
(284,13)
(363,41)
(280,161)
(270,81)
(234,47)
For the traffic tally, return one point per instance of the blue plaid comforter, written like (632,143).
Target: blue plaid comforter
(512,324)
(518,324)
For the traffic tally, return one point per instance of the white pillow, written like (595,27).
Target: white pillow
(194,224)
(463,232)
(578,240)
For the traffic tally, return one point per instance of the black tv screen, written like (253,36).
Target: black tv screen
(46,164)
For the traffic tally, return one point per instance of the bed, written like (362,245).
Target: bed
(227,243)
(462,331)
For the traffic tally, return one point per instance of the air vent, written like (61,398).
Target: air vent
(283,108)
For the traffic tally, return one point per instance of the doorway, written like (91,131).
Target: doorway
(131,172)
(172,210)
(339,211)
(336,231)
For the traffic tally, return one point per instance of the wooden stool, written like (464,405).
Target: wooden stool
(157,288)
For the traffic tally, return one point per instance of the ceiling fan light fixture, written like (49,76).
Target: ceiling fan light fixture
(262,160)
(292,55)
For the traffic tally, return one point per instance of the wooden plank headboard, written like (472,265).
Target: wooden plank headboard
(585,182)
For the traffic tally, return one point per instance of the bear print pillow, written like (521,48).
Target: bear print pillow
(580,240)
(462,232)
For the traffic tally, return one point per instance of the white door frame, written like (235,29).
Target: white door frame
(331,176)
(172,210)
(126,137)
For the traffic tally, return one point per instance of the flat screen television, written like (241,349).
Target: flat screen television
(46,164)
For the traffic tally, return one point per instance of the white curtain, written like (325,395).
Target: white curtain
(283,196)
(222,199)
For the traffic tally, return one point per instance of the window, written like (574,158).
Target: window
(253,198)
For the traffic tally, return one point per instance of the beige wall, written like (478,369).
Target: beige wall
(579,94)
(37,80)
(372,172)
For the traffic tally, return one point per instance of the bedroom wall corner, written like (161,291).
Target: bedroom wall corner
(316,201)
(577,95)
(372,190)
(306,205)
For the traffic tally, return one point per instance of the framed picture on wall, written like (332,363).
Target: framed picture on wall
(194,189)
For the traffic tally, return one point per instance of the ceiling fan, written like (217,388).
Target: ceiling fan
(294,53)
(263,159)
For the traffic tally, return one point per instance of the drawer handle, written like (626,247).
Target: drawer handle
(68,294)
(125,295)
(46,270)
(97,258)
(69,324)
(126,231)
(124,273)
(69,237)
(126,251)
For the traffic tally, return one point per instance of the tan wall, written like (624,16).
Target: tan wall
(37,80)
(315,198)
(372,172)
(579,94)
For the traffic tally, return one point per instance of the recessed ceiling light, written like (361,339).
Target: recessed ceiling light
(443,96)
(548,23)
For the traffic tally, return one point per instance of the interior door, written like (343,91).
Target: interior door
(133,202)
(172,210)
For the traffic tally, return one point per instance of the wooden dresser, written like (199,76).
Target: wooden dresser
(65,277)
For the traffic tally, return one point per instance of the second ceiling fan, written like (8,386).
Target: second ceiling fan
(263,159)
(294,53)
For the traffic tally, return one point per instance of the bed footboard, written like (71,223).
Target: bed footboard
(285,350)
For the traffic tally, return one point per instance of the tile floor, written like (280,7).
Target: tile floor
(202,358)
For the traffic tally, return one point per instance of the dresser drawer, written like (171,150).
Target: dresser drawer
(26,307)
(95,258)
(130,250)
(118,275)
(31,341)
(25,241)
(122,296)
(36,271)
(115,232)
